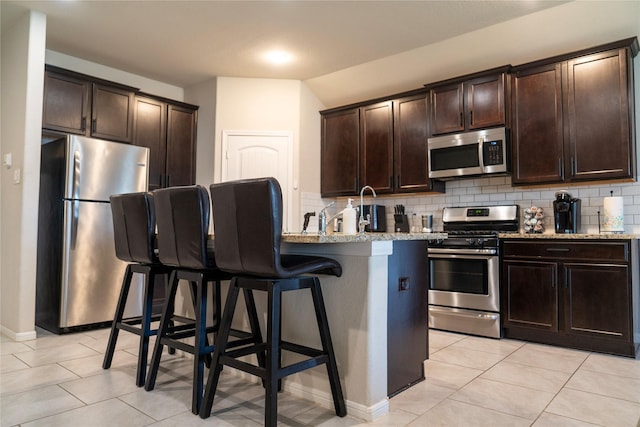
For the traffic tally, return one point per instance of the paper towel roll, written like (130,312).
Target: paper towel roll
(614,214)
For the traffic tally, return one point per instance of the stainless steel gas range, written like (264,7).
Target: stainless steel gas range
(464,269)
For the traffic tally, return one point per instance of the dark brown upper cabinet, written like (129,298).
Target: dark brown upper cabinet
(111,113)
(537,134)
(78,104)
(382,144)
(340,150)
(66,103)
(410,132)
(181,144)
(376,146)
(473,102)
(168,129)
(572,116)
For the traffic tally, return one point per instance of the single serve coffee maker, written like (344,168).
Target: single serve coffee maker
(566,213)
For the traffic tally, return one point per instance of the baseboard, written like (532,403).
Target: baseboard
(324,399)
(18,336)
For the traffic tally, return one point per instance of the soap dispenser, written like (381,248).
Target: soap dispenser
(349,219)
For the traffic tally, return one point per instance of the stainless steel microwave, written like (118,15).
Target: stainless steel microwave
(473,153)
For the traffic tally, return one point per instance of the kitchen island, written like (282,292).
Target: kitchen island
(376,295)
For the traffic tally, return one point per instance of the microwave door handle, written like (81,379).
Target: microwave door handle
(480,157)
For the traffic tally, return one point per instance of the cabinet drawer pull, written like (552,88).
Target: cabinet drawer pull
(558,249)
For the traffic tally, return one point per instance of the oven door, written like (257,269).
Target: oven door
(464,291)
(464,278)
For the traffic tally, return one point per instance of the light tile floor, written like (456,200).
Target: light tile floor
(58,381)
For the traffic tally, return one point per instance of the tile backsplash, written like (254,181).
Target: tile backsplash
(498,191)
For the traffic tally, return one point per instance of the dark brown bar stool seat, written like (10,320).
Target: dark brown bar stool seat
(247,228)
(134,225)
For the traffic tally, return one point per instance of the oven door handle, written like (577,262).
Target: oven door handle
(486,316)
(448,253)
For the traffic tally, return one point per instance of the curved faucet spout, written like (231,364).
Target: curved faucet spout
(362,223)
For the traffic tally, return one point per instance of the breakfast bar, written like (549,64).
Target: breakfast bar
(379,269)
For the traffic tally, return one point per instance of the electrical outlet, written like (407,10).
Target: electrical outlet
(403,283)
(16,176)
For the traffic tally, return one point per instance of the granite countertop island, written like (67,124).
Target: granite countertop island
(312,237)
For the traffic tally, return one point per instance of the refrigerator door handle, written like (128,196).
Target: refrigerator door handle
(74,224)
(75,178)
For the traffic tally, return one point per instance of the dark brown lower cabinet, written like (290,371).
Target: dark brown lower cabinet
(572,294)
(407,322)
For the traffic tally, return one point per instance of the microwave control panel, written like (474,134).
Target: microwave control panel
(493,152)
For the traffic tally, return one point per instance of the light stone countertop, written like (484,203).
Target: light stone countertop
(355,238)
(577,236)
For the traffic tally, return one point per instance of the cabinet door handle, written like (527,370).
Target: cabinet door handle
(391,182)
(471,117)
(573,167)
(461,118)
(168,180)
(83,126)
(93,125)
(560,166)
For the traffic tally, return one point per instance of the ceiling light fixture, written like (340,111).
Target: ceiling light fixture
(278,57)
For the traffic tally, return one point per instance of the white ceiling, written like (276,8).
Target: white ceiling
(187,42)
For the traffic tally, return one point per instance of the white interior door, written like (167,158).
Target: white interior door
(256,154)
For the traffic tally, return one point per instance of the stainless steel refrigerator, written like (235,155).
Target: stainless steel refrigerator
(78,276)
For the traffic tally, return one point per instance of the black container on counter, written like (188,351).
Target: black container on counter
(377,220)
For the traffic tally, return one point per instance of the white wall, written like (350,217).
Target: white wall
(23,52)
(204,95)
(152,87)
(259,105)
(565,28)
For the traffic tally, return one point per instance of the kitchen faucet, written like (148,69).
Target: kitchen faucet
(362,223)
(322,220)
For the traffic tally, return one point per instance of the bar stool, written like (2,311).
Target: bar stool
(134,234)
(182,215)
(247,226)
